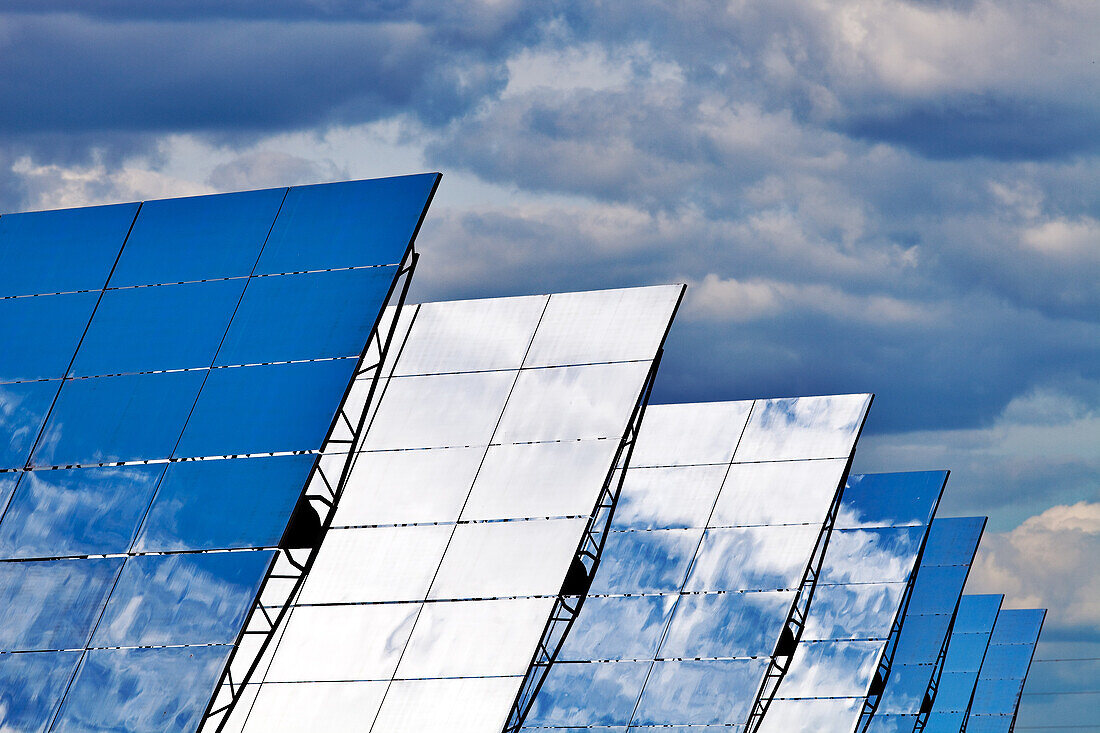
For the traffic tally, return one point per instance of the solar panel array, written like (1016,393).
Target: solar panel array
(720,512)
(158,334)
(497,429)
(203,391)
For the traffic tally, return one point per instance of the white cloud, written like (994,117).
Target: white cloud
(1049,561)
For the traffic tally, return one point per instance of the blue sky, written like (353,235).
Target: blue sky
(896,196)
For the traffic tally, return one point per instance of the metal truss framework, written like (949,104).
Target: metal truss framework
(313,514)
(796,620)
(568,604)
(934,680)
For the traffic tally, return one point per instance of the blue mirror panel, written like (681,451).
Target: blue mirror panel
(645,561)
(334,225)
(892,723)
(131,690)
(31,687)
(726,625)
(937,588)
(966,651)
(953,541)
(23,408)
(77,511)
(266,409)
(617,627)
(8,482)
(61,251)
(1001,723)
(1018,626)
(752,558)
(944,722)
(890,499)
(158,328)
(922,637)
(52,604)
(905,688)
(40,335)
(702,692)
(109,419)
(996,696)
(955,690)
(195,598)
(977,613)
(224,504)
(588,694)
(317,315)
(197,238)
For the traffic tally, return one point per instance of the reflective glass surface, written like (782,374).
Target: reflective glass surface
(164,689)
(496,559)
(823,716)
(513,481)
(832,669)
(705,692)
(151,329)
(223,504)
(726,625)
(41,334)
(645,561)
(23,408)
(361,642)
(572,402)
(52,604)
(317,315)
(61,251)
(966,649)
(855,611)
(618,628)
(333,706)
(475,638)
(399,487)
(879,555)
(803,427)
(376,564)
(182,599)
(1005,666)
(197,238)
(110,419)
(589,694)
(781,492)
(670,497)
(470,335)
(79,511)
(439,411)
(458,705)
(606,325)
(31,687)
(691,434)
(752,558)
(235,413)
(346,224)
(890,499)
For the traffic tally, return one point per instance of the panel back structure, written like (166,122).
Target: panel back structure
(844,658)
(184,366)
(475,512)
(1004,671)
(715,539)
(926,628)
(965,652)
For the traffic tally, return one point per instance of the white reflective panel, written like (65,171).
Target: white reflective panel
(803,427)
(475,638)
(540,479)
(857,611)
(680,496)
(698,433)
(871,555)
(705,692)
(402,487)
(307,707)
(493,559)
(471,335)
(455,706)
(832,669)
(437,411)
(812,716)
(617,627)
(570,403)
(376,564)
(342,642)
(604,325)
(752,558)
(784,492)
(726,625)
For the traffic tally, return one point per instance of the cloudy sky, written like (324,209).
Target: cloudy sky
(896,196)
